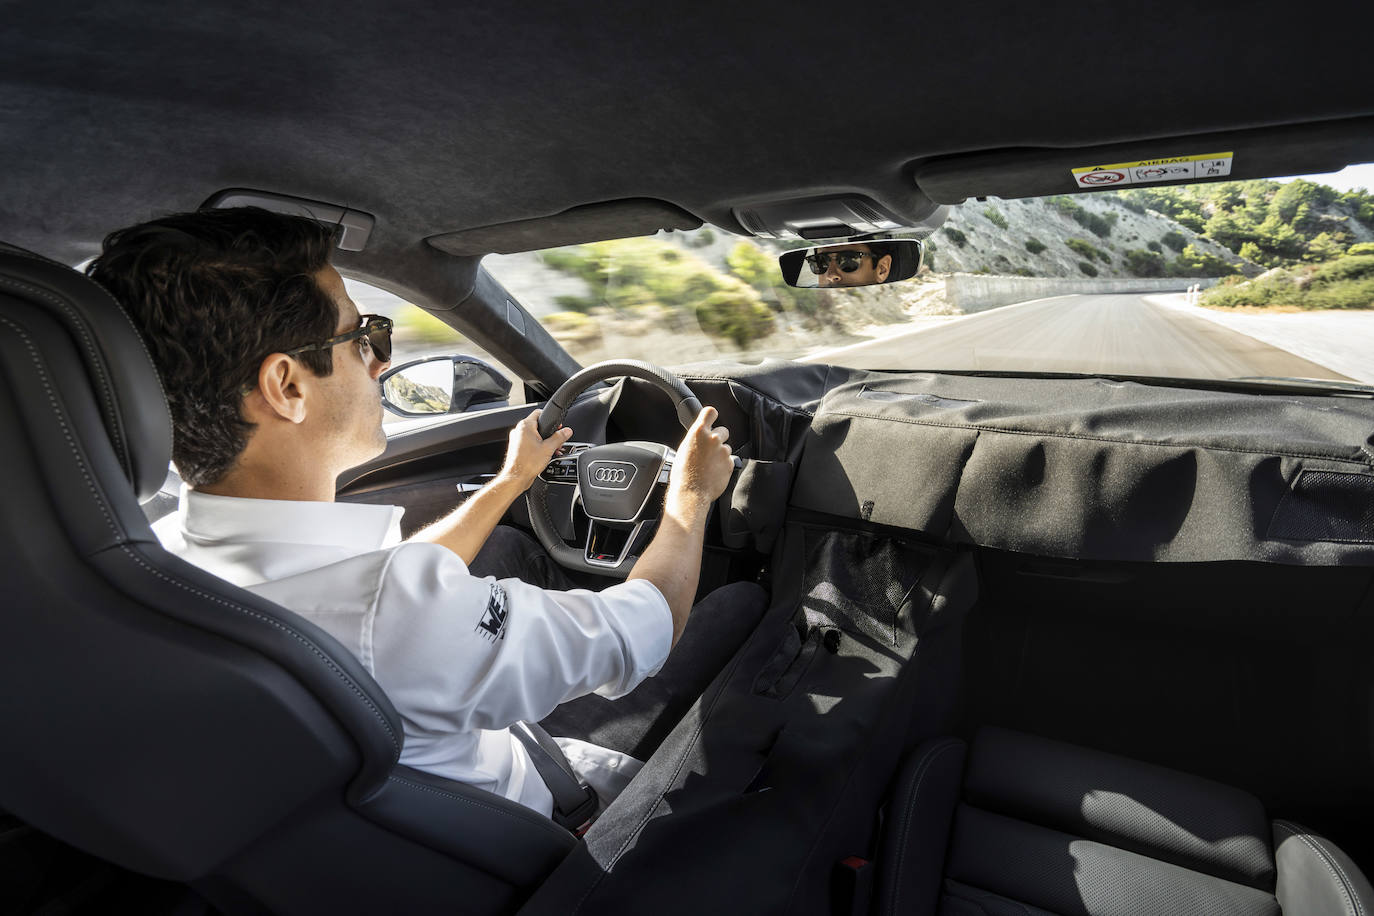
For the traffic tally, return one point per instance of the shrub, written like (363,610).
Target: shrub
(955,236)
(1085,249)
(1087,268)
(1361,248)
(1100,226)
(1143,263)
(1154,246)
(995,217)
(1347,268)
(700,238)
(1174,239)
(1193,263)
(1035,246)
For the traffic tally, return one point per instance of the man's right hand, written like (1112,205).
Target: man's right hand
(703,466)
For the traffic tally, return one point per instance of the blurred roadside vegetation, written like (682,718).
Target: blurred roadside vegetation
(1342,283)
(655,280)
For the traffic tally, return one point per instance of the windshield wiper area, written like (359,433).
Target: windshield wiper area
(1308,384)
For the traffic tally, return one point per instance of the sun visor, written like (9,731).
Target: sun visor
(1297,149)
(614,219)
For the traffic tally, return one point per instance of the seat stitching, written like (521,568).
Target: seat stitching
(138,335)
(61,419)
(294,634)
(106,386)
(532,819)
(925,765)
(1332,866)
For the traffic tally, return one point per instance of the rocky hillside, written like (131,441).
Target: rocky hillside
(1092,235)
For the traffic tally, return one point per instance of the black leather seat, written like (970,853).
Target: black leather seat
(1032,826)
(167,721)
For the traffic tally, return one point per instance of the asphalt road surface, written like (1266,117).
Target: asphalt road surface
(1121,334)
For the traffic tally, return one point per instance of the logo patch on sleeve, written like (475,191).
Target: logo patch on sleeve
(493,623)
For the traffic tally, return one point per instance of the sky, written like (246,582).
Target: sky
(1347,179)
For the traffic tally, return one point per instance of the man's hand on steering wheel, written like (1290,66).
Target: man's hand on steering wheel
(703,467)
(528,453)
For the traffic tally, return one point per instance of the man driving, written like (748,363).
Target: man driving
(851,264)
(271,378)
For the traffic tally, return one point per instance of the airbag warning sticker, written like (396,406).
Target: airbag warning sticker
(1177,168)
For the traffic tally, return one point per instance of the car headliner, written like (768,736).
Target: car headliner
(441,117)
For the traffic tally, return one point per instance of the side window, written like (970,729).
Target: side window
(419,335)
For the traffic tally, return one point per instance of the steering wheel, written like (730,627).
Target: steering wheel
(615,480)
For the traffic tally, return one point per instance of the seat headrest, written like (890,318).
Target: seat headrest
(120,370)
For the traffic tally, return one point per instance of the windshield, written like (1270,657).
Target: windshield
(1213,281)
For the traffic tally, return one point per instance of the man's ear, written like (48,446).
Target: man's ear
(282,385)
(884,267)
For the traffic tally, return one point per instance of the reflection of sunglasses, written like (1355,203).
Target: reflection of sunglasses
(848,261)
(376,330)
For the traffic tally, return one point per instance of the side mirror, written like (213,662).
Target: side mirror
(442,385)
(859,263)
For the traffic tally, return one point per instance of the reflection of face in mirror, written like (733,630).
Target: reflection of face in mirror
(850,264)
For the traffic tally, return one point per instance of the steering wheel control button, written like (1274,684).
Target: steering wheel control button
(611,475)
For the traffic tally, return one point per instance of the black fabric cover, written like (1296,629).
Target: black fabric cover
(776,774)
(1110,471)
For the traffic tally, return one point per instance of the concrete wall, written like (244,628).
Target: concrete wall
(976,292)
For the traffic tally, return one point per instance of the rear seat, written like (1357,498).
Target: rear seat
(1032,827)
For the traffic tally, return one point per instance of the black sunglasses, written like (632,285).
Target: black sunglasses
(848,261)
(375,330)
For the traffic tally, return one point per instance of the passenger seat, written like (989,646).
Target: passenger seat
(1033,827)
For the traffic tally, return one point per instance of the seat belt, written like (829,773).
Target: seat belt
(574,802)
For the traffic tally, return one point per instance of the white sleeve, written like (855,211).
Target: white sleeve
(460,653)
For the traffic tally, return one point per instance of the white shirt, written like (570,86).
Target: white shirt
(461,658)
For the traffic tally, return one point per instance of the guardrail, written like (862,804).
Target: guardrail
(976,292)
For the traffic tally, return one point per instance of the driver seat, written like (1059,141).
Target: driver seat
(167,721)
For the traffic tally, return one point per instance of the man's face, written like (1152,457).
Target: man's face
(871,270)
(350,412)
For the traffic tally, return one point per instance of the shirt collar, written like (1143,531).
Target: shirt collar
(359,527)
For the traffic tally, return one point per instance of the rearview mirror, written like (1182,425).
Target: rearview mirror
(866,263)
(442,385)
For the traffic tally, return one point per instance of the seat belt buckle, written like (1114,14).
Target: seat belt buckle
(584,815)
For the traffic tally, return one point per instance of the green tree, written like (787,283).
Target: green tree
(761,272)
(1174,239)
(1231,230)
(995,217)
(736,313)
(1143,263)
(1034,245)
(1193,263)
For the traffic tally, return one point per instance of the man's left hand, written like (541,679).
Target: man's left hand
(528,454)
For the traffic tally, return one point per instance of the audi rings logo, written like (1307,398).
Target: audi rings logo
(611,475)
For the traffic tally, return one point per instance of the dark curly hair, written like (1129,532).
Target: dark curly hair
(214,292)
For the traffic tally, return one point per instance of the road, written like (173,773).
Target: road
(1120,333)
